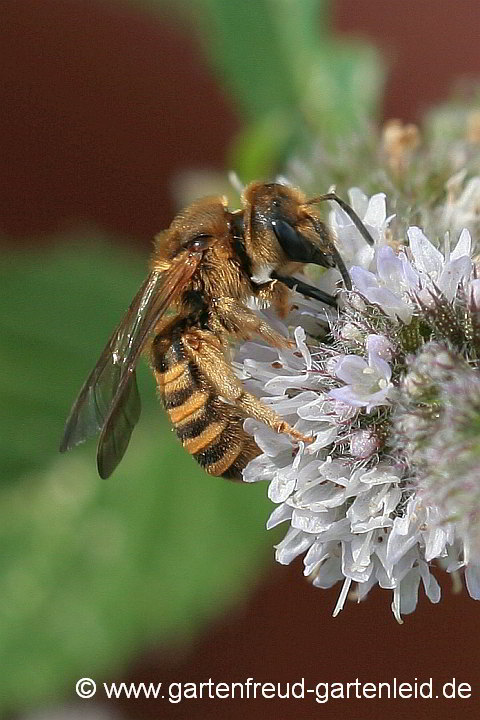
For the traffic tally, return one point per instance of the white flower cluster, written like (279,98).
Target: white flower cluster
(350,501)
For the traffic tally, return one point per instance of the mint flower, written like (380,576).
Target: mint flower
(360,501)
(368,383)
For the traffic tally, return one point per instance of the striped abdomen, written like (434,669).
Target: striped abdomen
(209,429)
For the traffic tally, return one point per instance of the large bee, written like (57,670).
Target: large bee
(205,267)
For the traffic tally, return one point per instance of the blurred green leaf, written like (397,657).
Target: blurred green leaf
(275,54)
(60,308)
(280,59)
(249,45)
(260,148)
(93,570)
(259,48)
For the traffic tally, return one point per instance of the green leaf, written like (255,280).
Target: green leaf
(295,82)
(292,78)
(275,55)
(259,150)
(92,570)
(241,39)
(59,311)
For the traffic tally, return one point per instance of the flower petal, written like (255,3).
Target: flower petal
(426,255)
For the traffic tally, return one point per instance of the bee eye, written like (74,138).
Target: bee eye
(198,243)
(297,247)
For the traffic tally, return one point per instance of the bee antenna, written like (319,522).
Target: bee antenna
(350,212)
(338,260)
(342,268)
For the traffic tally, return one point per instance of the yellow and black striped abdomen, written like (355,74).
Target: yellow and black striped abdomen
(209,429)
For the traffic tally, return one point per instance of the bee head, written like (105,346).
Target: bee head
(281,227)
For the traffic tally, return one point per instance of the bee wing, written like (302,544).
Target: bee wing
(109,402)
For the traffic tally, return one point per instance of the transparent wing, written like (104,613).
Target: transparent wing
(109,402)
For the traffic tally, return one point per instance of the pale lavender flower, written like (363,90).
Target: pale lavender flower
(367,382)
(353,501)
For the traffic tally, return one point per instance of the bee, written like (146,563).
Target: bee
(205,268)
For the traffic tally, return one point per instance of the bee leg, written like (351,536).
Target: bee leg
(274,294)
(255,408)
(308,290)
(235,318)
(205,350)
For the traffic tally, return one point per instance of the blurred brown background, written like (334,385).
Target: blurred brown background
(100,107)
